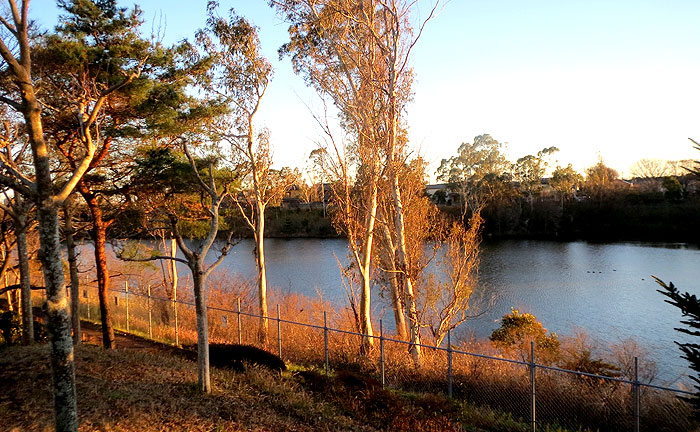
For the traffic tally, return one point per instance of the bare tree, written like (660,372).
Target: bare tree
(343,62)
(651,168)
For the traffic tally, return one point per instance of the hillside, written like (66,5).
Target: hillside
(142,387)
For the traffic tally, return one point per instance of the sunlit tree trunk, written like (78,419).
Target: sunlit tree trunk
(262,272)
(173,268)
(58,318)
(366,271)
(99,238)
(405,276)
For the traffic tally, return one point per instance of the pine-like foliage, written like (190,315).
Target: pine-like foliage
(689,305)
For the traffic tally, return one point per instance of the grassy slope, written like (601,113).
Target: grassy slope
(149,391)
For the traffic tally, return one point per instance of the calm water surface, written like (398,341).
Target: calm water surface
(605,290)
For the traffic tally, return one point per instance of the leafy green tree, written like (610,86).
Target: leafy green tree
(689,305)
(600,179)
(566,181)
(516,332)
(529,170)
(480,171)
(92,66)
(673,189)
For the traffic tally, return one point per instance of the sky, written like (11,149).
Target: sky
(617,80)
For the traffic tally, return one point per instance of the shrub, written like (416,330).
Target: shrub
(10,328)
(518,330)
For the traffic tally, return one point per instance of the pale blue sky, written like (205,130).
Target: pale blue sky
(619,78)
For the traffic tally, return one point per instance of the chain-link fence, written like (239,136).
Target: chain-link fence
(542,396)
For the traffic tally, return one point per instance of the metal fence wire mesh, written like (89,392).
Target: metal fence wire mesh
(540,395)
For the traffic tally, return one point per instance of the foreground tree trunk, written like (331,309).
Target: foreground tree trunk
(263,330)
(68,232)
(366,271)
(200,300)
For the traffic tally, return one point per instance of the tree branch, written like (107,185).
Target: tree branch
(16,105)
(15,185)
(17,286)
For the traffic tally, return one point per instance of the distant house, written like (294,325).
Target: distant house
(441,194)
(315,197)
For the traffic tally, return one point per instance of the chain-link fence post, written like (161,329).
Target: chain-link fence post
(126,293)
(279,332)
(532,387)
(325,340)
(637,401)
(150,318)
(381,352)
(240,331)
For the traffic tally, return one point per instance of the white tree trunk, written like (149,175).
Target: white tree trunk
(200,300)
(263,331)
(366,271)
(173,268)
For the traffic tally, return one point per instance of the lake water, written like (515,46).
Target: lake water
(605,290)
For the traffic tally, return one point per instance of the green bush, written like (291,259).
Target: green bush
(518,330)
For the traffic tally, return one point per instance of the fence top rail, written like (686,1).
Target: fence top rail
(586,374)
(484,356)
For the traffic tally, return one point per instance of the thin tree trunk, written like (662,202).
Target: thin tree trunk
(68,232)
(414,325)
(366,271)
(173,268)
(263,331)
(99,238)
(25,284)
(396,297)
(200,300)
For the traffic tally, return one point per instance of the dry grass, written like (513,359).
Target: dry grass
(126,390)
(489,389)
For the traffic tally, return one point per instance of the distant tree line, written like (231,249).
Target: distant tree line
(524,199)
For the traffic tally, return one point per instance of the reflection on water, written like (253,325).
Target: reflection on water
(604,289)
